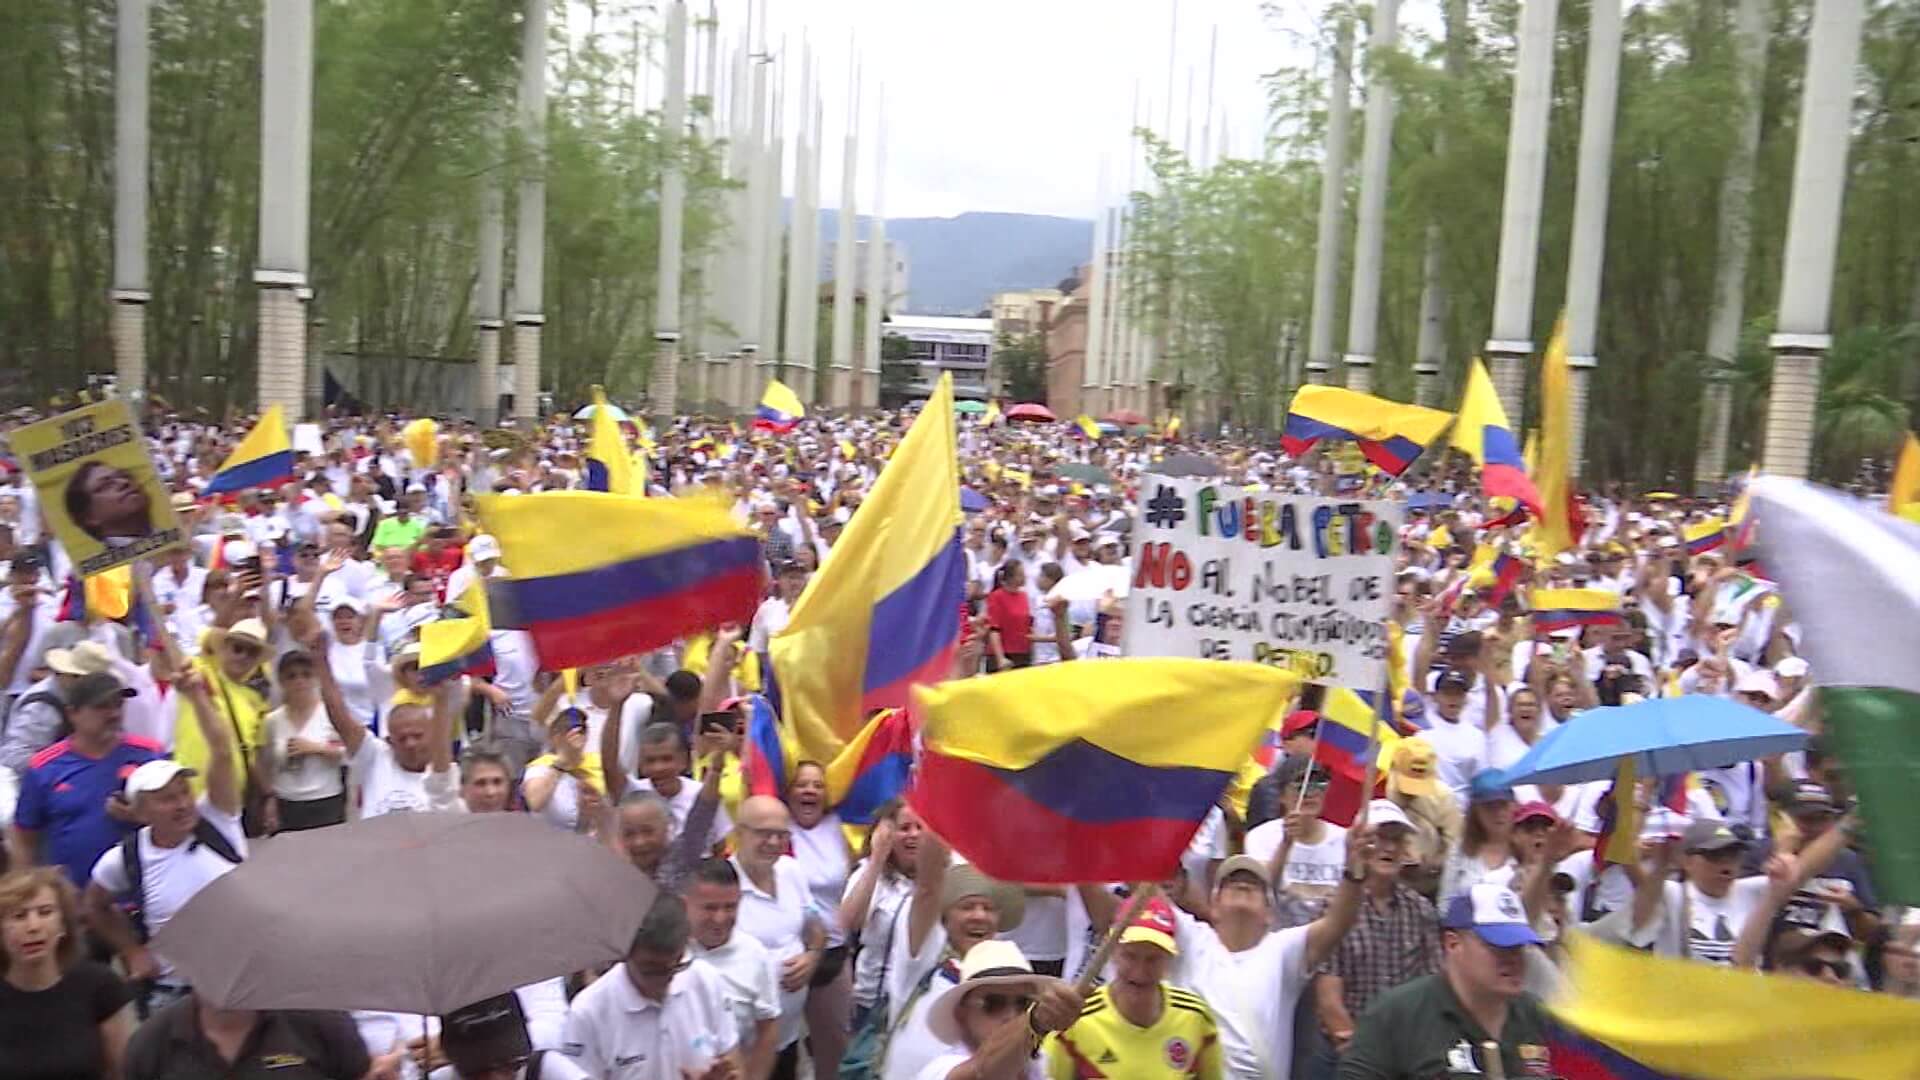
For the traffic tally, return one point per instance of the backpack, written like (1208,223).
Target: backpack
(204,834)
(44,697)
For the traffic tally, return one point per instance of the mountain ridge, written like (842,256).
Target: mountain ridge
(956,264)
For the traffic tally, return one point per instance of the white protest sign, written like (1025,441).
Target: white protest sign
(1303,582)
(306,439)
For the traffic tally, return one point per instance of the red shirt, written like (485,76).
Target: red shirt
(1009,612)
(438,567)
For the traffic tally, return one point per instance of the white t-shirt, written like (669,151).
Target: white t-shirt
(170,876)
(776,920)
(942,1067)
(1714,923)
(563,806)
(770,619)
(680,804)
(1081,941)
(822,855)
(1460,749)
(615,1034)
(1042,933)
(1209,844)
(1253,993)
(750,978)
(1317,866)
(891,894)
(1505,746)
(360,671)
(386,788)
(310,776)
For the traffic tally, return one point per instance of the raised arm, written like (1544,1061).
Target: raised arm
(223,783)
(929,881)
(855,904)
(1325,932)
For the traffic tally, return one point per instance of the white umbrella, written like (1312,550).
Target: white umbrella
(586,412)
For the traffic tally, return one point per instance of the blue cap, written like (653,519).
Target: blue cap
(1493,912)
(1489,785)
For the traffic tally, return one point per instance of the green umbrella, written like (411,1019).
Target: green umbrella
(1086,474)
(971,408)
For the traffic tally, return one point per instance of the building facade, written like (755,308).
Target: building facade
(937,344)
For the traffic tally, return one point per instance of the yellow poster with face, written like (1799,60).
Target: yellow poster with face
(97,487)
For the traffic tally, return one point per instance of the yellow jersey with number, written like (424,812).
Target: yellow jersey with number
(1183,1042)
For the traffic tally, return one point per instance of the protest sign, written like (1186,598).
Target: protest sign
(307,440)
(97,487)
(1303,582)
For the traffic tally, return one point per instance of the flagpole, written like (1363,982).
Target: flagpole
(1141,893)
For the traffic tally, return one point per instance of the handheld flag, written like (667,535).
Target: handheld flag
(884,612)
(262,459)
(1739,1025)
(764,757)
(872,768)
(1087,427)
(1347,728)
(1704,536)
(422,440)
(992,415)
(1085,779)
(598,577)
(1903,495)
(1847,569)
(1389,434)
(1481,432)
(780,409)
(1557,609)
(450,647)
(1620,819)
(1561,521)
(609,464)
(1173,428)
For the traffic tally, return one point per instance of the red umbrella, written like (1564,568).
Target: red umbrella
(1030,411)
(1126,417)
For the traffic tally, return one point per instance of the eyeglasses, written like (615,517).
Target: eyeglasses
(996,1004)
(1816,967)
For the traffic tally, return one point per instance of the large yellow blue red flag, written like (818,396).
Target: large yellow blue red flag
(262,459)
(1087,427)
(1560,523)
(1072,772)
(1617,1019)
(1390,435)
(780,409)
(873,767)
(1481,432)
(1558,609)
(609,462)
(450,647)
(884,612)
(597,577)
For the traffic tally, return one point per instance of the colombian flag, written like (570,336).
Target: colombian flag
(1481,432)
(262,459)
(1087,427)
(765,756)
(609,463)
(780,409)
(450,647)
(1389,434)
(597,577)
(1706,535)
(1078,776)
(1903,494)
(1346,729)
(873,768)
(884,611)
(1505,573)
(1557,609)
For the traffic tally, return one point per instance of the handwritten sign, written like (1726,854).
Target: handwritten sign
(1302,582)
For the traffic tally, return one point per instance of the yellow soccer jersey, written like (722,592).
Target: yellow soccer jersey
(1185,1041)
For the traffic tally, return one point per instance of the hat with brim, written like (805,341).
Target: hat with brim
(1415,767)
(1707,836)
(86,658)
(250,631)
(1153,925)
(153,776)
(964,880)
(991,963)
(1247,864)
(486,1035)
(96,688)
(1494,913)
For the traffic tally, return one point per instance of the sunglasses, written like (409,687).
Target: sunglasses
(1817,967)
(996,1004)
(243,651)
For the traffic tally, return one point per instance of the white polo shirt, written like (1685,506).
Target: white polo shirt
(615,1034)
(751,978)
(171,876)
(777,921)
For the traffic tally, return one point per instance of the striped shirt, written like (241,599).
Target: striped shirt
(1389,944)
(1184,1041)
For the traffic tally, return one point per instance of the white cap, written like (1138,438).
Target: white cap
(86,658)
(1792,667)
(483,546)
(416,489)
(153,776)
(1387,812)
(353,604)
(1758,681)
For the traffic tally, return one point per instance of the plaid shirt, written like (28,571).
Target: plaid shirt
(1388,945)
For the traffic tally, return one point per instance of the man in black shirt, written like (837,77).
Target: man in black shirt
(192,1040)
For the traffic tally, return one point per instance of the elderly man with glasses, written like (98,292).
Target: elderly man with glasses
(658,1014)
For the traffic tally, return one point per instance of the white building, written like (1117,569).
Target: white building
(940,343)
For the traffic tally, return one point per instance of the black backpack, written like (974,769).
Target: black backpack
(204,833)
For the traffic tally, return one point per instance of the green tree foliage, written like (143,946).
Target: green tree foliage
(1022,360)
(412,104)
(1226,258)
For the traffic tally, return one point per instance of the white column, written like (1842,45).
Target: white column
(811,310)
(1093,377)
(1512,341)
(1333,191)
(1370,231)
(1587,259)
(1801,338)
(486,301)
(773,231)
(1431,350)
(132,59)
(802,221)
(879,267)
(840,384)
(530,225)
(663,385)
(286,128)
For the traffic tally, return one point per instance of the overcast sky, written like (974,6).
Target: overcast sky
(1018,105)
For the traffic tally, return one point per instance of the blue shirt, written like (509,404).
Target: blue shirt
(63,797)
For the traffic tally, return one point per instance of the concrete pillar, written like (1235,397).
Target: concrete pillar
(488,294)
(1370,231)
(879,268)
(1801,338)
(810,311)
(1733,242)
(801,221)
(1586,261)
(664,382)
(1093,381)
(1333,190)
(840,392)
(286,129)
(530,225)
(1431,350)
(772,249)
(1512,341)
(132,56)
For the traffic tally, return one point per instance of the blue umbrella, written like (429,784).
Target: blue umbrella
(1664,736)
(972,501)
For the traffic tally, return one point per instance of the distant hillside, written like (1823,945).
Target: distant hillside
(956,264)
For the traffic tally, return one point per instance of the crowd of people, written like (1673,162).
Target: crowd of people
(276,687)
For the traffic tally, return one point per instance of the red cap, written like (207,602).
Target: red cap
(1297,721)
(1535,809)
